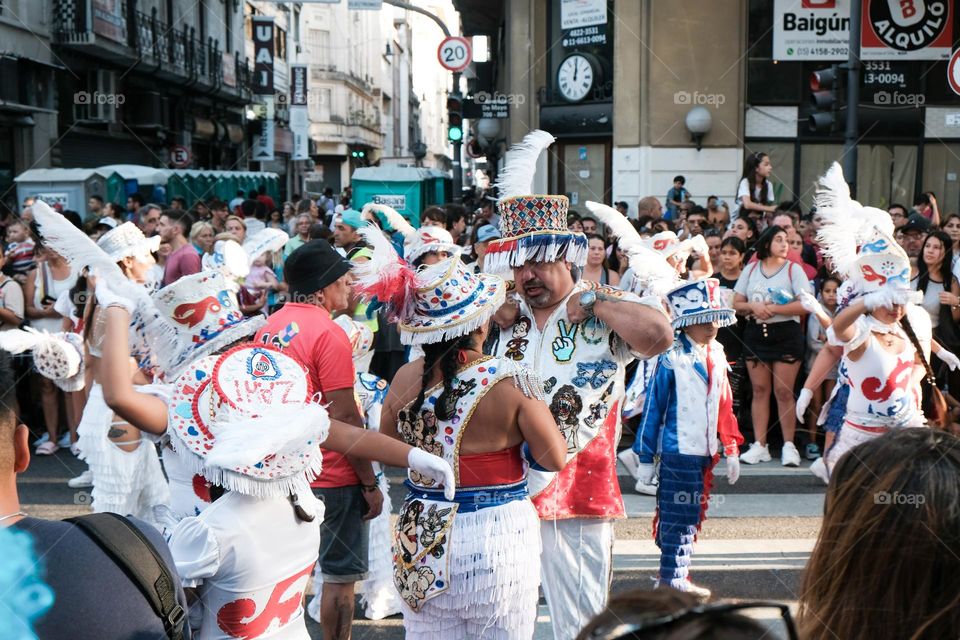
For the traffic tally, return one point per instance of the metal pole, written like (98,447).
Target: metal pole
(457,169)
(853,100)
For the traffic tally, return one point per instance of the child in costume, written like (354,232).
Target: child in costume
(688,409)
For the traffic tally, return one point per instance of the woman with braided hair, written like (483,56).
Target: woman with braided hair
(467,567)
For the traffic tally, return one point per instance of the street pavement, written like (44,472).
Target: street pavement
(753,545)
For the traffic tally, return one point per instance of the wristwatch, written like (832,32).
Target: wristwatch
(587,300)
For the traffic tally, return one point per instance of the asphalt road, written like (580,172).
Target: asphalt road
(753,545)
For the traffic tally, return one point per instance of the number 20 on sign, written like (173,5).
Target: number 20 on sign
(454,53)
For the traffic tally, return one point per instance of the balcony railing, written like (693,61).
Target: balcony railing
(136,36)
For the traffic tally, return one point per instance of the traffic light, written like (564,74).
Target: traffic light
(455,117)
(825,99)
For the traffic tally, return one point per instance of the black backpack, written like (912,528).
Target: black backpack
(131,551)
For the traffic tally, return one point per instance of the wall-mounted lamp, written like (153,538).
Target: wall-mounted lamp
(698,122)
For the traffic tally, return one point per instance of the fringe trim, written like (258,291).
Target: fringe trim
(494,563)
(524,378)
(538,246)
(233,481)
(723,318)
(707,489)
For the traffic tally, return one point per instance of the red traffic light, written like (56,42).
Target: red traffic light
(823,79)
(455,102)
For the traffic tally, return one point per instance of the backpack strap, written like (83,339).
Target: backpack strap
(135,554)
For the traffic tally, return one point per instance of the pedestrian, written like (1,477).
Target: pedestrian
(822,310)
(94,208)
(676,196)
(148,218)
(346,236)
(20,252)
(766,293)
(237,226)
(174,228)
(578,337)
(687,419)
(597,269)
(219,212)
(755,191)
(51,277)
(319,285)
(465,566)
(434,216)
(301,234)
(201,237)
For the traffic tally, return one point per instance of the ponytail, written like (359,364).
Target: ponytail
(444,355)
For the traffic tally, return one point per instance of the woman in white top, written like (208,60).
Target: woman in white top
(44,285)
(767,293)
(941,293)
(755,192)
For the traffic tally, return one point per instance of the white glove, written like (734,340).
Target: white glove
(698,244)
(435,468)
(948,359)
(887,297)
(810,303)
(645,472)
(803,401)
(106,297)
(733,469)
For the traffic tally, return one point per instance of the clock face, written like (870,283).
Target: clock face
(575,77)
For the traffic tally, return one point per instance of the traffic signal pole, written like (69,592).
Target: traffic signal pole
(457,169)
(853,100)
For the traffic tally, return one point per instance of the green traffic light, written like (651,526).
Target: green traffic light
(455,134)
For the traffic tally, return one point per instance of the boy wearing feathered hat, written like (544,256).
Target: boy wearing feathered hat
(578,338)
(688,408)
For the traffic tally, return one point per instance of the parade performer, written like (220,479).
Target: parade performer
(377,593)
(466,567)
(247,421)
(654,270)
(124,467)
(578,337)
(883,356)
(689,408)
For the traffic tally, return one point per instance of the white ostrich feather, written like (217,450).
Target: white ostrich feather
(846,223)
(616,222)
(20,340)
(396,220)
(516,178)
(244,440)
(82,252)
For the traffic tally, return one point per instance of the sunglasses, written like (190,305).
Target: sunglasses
(625,629)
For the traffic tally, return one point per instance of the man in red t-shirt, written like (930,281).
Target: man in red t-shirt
(263,197)
(319,282)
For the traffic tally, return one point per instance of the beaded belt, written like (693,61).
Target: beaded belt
(473,499)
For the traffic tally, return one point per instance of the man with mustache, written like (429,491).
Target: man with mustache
(569,322)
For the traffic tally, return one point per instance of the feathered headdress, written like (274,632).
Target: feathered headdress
(385,276)
(859,239)
(651,271)
(533,228)
(83,253)
(56,356)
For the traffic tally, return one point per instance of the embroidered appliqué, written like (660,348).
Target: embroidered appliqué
(564,346)
(262,366)
(281,340)
(594,374)
(420,546)
(566,406)
(231,616)
(420,431)
(518,344)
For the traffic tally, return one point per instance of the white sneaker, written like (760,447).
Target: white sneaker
(646,489)
(85,479)
(756,453)
(629,460)
(790,457)
(819,469)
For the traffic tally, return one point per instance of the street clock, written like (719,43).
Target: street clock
(576,77)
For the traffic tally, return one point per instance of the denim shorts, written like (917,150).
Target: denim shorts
(344,534)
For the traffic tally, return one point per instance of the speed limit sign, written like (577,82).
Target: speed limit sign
(454,53)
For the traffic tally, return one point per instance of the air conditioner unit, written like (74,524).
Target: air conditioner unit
(100,101)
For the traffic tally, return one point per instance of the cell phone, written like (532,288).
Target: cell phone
(47,300)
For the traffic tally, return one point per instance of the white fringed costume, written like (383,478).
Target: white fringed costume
(467,568)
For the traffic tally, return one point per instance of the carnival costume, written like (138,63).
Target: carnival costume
(466,567)
(883,394)
(582,366)
(688,409)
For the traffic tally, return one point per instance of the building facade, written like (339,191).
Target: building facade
(620,83)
